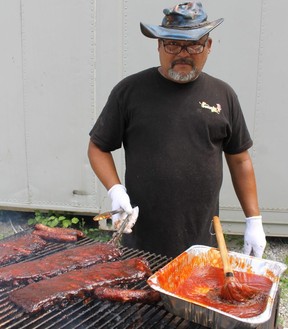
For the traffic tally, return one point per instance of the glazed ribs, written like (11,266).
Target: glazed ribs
(20,247)
(58,263)
(147,296)
(78,284)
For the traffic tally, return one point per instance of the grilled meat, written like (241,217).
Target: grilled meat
(60,230)
(147,296)
(60,262)
(56,237)
(78,284)
(58,233)
(20,247)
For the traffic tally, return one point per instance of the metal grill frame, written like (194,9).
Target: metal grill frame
(92,313)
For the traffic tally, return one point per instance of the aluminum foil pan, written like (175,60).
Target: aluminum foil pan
(209,316)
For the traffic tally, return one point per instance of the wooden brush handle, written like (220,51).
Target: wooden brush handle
(222,246)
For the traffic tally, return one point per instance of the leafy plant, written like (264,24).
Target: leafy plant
(284,278)
(53,219)
(97,234)
(286,260)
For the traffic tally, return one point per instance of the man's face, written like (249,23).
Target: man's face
(183,65)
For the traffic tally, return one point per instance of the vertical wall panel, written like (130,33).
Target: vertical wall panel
(58,97)
(13,169)
(271,133)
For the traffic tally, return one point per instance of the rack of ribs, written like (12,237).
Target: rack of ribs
(15,249)
(73,285)
(60,262)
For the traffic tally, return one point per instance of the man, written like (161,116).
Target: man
(175,122)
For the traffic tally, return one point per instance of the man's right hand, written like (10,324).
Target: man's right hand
(117,220)
(120,198)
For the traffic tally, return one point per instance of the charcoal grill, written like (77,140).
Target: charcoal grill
(93,313)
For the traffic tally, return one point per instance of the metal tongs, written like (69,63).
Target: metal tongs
(118,234)
(107,214)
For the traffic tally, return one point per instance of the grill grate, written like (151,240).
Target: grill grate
(93,313)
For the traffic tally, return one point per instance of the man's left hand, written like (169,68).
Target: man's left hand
(254,237)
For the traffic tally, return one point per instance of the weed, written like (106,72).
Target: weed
(53,219)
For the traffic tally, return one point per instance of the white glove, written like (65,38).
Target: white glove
(120,199)
(117,222)
(254,236)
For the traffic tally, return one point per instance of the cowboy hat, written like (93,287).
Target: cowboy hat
(186,21)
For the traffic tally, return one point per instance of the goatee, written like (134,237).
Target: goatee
(183,77)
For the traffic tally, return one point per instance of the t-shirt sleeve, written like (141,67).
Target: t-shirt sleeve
(239,139)
(108,130)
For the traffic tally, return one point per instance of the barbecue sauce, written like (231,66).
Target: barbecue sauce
(200,281)
(204,287)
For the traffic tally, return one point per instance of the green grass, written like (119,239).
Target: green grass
(284,278)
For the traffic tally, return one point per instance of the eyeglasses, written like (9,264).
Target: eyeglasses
(192,49)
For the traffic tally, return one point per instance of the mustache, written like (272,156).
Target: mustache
(182,61)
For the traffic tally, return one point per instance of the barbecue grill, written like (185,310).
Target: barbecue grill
(93,313)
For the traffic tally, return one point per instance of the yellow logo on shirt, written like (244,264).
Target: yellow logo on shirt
(214,109)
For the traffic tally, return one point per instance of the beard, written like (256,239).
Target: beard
(182,76)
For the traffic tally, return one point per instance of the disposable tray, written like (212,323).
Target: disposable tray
(209,316)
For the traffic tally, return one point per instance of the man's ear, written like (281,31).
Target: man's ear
(209,43)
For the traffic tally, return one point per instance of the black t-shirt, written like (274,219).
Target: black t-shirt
(174,136)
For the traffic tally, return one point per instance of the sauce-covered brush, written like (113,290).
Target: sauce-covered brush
(232,290)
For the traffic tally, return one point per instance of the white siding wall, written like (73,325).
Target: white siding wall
(59,60)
